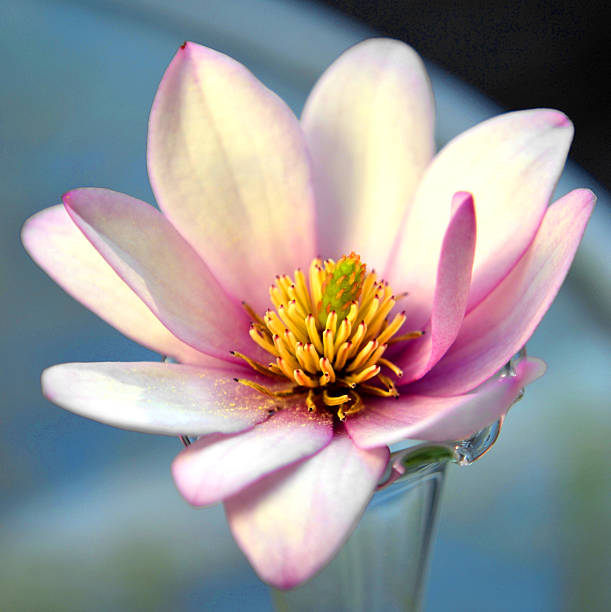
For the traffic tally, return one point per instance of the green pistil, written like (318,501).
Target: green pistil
(341,287)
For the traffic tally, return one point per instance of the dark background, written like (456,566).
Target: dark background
(522,54)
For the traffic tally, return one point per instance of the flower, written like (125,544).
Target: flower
(249,194)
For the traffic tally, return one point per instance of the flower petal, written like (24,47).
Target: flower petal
(228,165)
(510,164)
(164,271)
(60,249)
(220,465)
(369,126)
(440,418)
(157,398)
(292,522)
(506,319)
(451,293)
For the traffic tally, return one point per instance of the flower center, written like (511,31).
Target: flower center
(328,336)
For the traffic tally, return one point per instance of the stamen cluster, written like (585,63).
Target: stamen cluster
(328,336)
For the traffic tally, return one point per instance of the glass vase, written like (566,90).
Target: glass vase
(383,565)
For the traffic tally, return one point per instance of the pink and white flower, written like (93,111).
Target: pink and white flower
(247,192)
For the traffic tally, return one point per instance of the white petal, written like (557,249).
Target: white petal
(292,522)
(228,165)
(157,397)
(369,127)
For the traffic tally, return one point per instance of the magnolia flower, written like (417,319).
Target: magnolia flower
(296,391)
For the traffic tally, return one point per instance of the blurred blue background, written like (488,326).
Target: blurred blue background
(89,517)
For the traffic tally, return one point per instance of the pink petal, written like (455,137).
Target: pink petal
(220,465)
(510,164)
(369,126)
(61,250)
(164,271)
(440,418)
(291,523)
(157,398)
(506,319)
(228,165)
(451,292)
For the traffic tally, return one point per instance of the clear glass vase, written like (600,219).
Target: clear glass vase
(383,565)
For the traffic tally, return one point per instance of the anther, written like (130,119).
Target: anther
(255,365)
(262,389)
(303,379)
(334,400)
(409,336)
(362,356)
(396,370)
(252,314)
(310,403)
(263,340)
(313,334)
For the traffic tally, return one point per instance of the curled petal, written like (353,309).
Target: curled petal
(510,164)
(160,266)
(292,522)
(450,295)
(228,165)
(439,419)
(505,320)
(369,126)
(157,398)
(220,465)
(60,249)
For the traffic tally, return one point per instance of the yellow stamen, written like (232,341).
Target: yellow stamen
(303,295)
(327,342)
(334,400)
(303,379)
(262,389)
(352,314)
(255,365)
(262,339)
(297,313)
(316,281)
(356,406)
(371,310)
(396,370)
(390,385)
(391,329)
(362,375)
(276,370)
(342,355)
(372,390)
(305,359)
(375,325)
(283,365)
(328,332)
(276,295)
(273,322)
(376,355)
(313,333)
(252,314)
(292,323)
(289,339)
(362,356)
(313,354)
(284,282)
(331,321)
(310,403)
(327,368)
(409,336)
(357,338)
(345,327)
(285,353)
